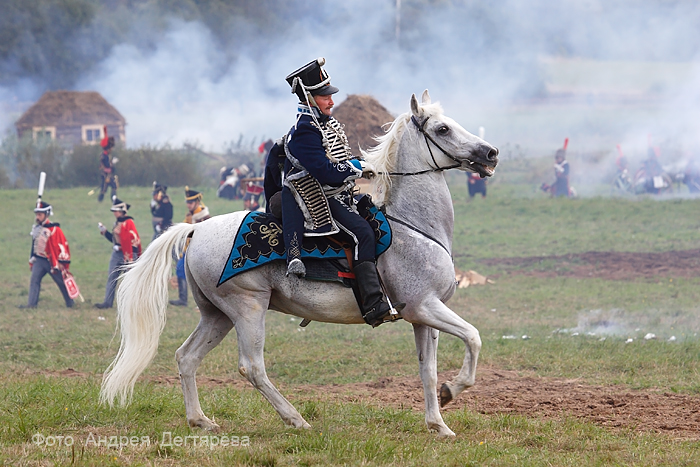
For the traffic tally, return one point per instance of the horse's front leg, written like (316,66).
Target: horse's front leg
(437,315)
(212,328)
(426,347)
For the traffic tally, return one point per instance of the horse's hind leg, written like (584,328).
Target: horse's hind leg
(250,329)
(212,328)
(426,347)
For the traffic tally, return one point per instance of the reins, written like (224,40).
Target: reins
(417,230)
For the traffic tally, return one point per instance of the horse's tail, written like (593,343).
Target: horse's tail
(142,300)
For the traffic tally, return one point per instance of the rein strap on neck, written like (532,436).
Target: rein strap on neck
(415,229)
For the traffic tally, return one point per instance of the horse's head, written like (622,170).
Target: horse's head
(449,145)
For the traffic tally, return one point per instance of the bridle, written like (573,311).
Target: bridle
(428,139)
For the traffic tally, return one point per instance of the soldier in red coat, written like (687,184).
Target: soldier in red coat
(126,247)
(50,255)
(108,176)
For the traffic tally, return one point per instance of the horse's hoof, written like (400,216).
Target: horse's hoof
(205,424)
(445,395)
(299,424)
(442,431)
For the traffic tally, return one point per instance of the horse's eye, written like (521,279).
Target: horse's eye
(443,130)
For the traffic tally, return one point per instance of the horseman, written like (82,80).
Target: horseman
(108,177)
(196,212)
(126,247)
(317,188)
(50,254)
(161,209)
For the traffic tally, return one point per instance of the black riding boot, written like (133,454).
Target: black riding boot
(374,308)
(181,292)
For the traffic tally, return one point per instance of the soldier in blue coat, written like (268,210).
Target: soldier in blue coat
(319,178)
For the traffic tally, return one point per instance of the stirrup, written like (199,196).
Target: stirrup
(392,314)
(296,266)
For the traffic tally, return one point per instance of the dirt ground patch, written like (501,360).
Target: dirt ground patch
(498,391)
(609,265)
(501,391)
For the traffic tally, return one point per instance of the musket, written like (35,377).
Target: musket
(40,192)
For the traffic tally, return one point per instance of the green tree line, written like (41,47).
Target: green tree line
(23,159)
(55,42)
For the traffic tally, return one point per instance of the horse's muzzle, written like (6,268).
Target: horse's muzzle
(485,161)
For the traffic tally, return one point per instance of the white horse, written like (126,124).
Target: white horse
(417,269)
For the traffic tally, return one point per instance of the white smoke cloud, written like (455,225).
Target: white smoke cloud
(503,67)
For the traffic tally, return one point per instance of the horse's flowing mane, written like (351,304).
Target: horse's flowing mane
(384,155)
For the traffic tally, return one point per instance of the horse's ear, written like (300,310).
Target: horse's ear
(425,98)
(415,107)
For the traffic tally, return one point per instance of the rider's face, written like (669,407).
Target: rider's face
(324,104)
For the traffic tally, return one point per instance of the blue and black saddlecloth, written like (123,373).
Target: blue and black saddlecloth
(259,240)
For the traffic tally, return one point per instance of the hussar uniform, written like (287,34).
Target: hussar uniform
(317,189)
(126,247)
(198,214)
(50,254)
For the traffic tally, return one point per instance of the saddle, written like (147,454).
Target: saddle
(259,240)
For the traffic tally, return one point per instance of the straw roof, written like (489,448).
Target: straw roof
(69,108)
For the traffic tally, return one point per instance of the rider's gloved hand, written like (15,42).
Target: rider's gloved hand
(368,170)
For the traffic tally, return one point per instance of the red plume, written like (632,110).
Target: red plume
(105,140)
(619,151)
(566,143)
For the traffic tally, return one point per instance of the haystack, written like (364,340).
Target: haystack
(363,117)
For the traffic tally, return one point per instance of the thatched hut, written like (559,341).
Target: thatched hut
(72,117)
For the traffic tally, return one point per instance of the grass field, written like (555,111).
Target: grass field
(52,358)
